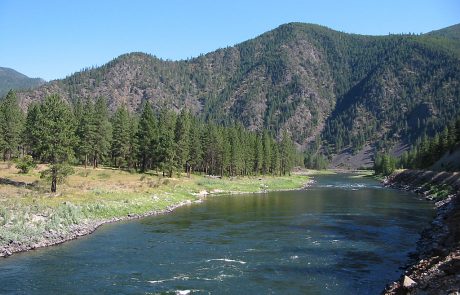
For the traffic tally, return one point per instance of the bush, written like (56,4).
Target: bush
(25,164)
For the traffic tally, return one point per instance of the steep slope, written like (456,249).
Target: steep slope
(11,79)
(415,90)
(351,91)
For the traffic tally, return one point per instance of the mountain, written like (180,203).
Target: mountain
(452,32)
(335,92)
(11,79)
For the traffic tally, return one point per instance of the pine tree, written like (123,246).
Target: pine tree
(78,114)
(121,137)
(258,154)
(31,130)
(206,147)
(267,150)
(444,143)
(384,164)
(275,161)
(55,138)
(86,130)
(182,137)
(286,153)
(452,137)
(378,164)
(248,151)
(11,126)
(235,165)
(225,150)
(101,146)
(131,157)
(195,147)
(147,137)
(166,155)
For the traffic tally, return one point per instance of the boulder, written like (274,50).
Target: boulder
(408,282)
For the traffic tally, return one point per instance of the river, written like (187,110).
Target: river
(343,235)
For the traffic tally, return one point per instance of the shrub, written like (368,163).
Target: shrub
(25,164)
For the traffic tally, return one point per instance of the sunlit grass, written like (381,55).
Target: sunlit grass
(28,213)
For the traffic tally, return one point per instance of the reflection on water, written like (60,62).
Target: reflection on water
(341,236)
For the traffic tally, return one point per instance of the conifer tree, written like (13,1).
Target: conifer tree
(55,138)
(207,151)
(121,137)
(102,144)
(131,158)
(30,133)
(167,148)
(248,151)
(258,154)
(11,126)
(86,130)
(195,147)
(286,153)
(225,150)
(182,137)
(275,161)
(235,152)
(147,137)
(266,141)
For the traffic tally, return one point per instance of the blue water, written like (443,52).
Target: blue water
(341,236)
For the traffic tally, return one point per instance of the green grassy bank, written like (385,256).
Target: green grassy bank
(31,217)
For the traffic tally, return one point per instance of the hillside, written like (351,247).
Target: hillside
(452,33)
(11,79)
(340,91)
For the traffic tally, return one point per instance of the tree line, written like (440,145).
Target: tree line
(85,133)
(424,153)
(428,150)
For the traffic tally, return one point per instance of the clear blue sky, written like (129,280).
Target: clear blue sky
(52,39)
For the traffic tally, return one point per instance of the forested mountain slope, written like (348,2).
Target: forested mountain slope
(333,89)
(11,79)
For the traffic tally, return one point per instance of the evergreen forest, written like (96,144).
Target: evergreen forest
(165,142)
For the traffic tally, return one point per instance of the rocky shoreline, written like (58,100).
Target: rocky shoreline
(435,267)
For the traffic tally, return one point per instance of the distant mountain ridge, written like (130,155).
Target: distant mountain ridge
(11,79)
(333,91)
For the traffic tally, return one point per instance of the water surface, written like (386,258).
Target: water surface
(342,236)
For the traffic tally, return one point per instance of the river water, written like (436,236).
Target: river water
(343,235)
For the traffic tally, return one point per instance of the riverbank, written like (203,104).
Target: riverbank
(435,266)
(31,218)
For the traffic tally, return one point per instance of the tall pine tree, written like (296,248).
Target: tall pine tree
(102,144)
(166,153)
(55,138)
(182,138)
(147,137)
(11,125)
(121,137)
